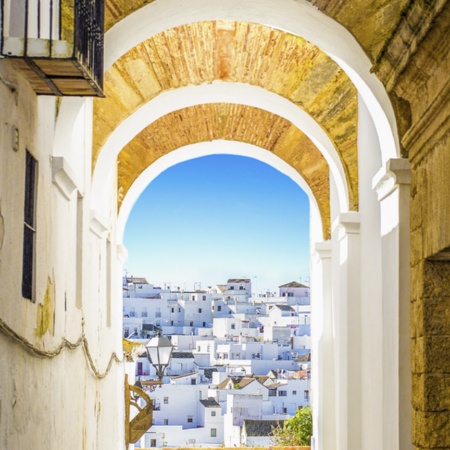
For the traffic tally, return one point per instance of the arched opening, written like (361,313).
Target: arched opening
(346,415)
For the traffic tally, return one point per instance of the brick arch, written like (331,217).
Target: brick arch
(232,122)
(235,52)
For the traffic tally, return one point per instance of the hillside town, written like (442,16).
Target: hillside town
(240,364)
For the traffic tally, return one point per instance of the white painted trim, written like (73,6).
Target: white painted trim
(63,176)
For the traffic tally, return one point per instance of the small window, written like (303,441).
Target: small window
(204,324)
(152,442)
(233,326)
(306,395)
(193,297)
(173,309)
(213,432)
(166,421)
(199,310)
(190,419)
(294,392)
(204,298)
(166,400)
(29,227)
(282,393)
(219,308)
(193,381)
(191,323)
(213,414)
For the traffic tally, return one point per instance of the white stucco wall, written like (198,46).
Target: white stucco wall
(74,287)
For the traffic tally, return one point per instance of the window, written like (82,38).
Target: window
(282,393)
(219,308)
(190,419)
(204,324)
(166,421)
(231,288)
(193,297)
(294,392)
(171,323)
(193,381)
(272,392)
(29,226)
(306,395)
(191,323)
(152,442)
(204,298)
(166,400)
(144,312)
(284,410)
(173,309)
(233,326)
(213,413)
(199,310)
(213,432)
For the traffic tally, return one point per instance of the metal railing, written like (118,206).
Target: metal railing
(89,24)
(70,30)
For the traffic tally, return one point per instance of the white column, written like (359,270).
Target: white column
(347,312)
(392,185)
(323,376)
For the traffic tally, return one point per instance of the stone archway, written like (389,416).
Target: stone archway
(340,308)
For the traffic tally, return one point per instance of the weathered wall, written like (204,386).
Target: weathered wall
(409,46)
(54,350)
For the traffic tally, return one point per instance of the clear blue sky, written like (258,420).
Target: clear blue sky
(219,217)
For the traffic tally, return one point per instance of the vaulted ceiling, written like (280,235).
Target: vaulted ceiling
(236,52)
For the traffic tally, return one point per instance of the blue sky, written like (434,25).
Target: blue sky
(218,217)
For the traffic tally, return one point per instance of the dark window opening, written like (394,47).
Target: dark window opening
(29,226)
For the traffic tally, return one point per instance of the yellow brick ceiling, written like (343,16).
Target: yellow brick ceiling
(254,54)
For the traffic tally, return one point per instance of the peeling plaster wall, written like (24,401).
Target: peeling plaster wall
(49,396)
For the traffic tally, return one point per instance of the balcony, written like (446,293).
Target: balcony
(58,44)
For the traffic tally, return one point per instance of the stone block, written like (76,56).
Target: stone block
(416,245)
(431,392)
(430,279)
(431,354)
(430,316)
(432,430)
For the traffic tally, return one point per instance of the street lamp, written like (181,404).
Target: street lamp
(159,351)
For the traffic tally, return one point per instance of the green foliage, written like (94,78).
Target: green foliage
(296,431)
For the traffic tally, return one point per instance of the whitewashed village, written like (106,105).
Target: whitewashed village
(240,364)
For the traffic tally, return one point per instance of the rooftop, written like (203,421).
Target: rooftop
(210,403)
(261,427)
(293,284)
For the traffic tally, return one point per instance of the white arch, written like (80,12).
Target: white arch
(215,93)
(204,149)
(297,17)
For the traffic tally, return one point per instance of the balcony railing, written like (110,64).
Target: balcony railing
(58,44)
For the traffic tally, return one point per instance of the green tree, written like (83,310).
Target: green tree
(296,431)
